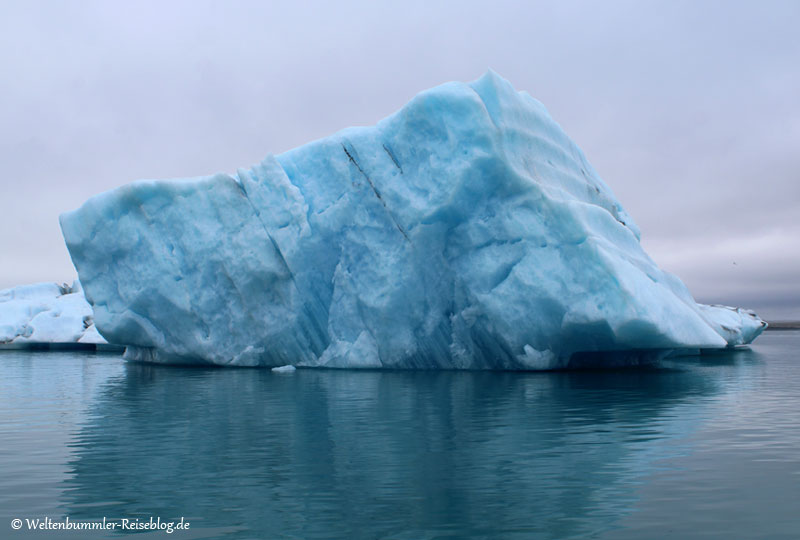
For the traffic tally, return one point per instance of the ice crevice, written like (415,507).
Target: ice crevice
(393,158)
(349,154)
(257,212)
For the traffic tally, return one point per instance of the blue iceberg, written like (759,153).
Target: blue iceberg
(465,231)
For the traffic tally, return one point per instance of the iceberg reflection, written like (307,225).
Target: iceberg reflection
(380,454)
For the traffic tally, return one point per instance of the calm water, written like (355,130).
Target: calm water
(705,447)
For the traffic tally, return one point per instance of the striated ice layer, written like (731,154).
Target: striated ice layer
(465,231)
(45,314)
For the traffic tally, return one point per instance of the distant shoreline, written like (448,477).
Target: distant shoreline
(784,325)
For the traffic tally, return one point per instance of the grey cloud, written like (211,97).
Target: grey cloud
(688,110)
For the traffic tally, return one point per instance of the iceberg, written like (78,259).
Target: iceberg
(46,315)
(465,231)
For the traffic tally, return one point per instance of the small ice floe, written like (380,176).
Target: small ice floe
(284,369)
(48,315)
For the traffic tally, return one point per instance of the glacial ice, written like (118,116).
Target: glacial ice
(284,369)
(465,231)
(46,313)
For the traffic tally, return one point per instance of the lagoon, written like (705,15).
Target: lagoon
(696,447)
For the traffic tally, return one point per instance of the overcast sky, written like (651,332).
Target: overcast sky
(690,111)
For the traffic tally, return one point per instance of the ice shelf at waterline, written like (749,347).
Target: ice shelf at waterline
(46,315)
(464,231)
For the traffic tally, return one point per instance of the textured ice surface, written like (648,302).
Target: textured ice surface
(464,231)
(46,313)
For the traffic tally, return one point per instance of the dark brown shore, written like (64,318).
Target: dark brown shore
(784,325)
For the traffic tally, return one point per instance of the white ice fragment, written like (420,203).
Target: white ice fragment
(284,369)
(91,335)
(46,313)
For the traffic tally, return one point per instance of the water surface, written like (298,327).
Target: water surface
(705,447)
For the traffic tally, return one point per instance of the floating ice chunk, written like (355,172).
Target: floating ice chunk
(466,231)
(46,313)
(284,369)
